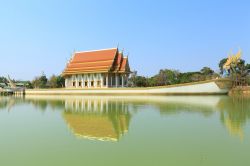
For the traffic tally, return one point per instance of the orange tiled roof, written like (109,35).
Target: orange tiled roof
(100,61)
(124,64)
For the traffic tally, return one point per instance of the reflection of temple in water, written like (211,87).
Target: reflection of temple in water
(97,119)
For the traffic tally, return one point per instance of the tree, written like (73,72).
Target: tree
(40,81)
(3,80)
(43,81)
(197,77)
(53,81)
(132,79)
(60,81)
(221,64)
(140,81)
(248,71)
(56,81)
(207,71)
(152,81)
(167,77)
(248,66)
(29,85)
(161,78)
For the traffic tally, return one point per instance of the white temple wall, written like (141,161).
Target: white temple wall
(96,80)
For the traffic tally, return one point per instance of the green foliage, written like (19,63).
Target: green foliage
(53,82)
(190,77)
(248,79)
(239,69)
(207,71)
(29,85)
(161,78)
(170,77)
(140,81)
(248,66)
(152,81)
(56,81)
(167,77)
(3,80)
(60,81)
(222,62)
(132,79)
(40,81)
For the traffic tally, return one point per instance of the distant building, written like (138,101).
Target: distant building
(97,69)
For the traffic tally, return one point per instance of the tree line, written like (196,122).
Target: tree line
(55,81)
(164,77)
(172,76)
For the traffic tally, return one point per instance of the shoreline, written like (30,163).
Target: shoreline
(212,87)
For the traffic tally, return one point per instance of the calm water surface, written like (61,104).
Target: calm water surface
(104,130)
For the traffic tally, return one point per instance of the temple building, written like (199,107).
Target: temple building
(97,69)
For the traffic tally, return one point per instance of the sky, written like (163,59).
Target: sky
(40,36)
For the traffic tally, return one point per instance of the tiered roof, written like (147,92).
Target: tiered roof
(98,61)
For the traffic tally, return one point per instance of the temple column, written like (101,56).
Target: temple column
(102,76)
(111,80)
(122,80)
(107,80)
(88,81)
(66,82)
(70,82)
(116,80)
(126,81)
(76,82)
(82,82)
(94,79)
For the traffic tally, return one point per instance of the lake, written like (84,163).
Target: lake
(124,130)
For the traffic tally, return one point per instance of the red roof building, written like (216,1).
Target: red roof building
(99,68)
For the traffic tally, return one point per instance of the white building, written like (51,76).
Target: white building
(97,69)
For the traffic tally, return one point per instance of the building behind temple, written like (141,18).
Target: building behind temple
(97,69)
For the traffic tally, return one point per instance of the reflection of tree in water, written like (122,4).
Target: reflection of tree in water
(39,104)
(170,108)
(97,119)
(43,104)
(234,113)
(3,103)
(175,108)
(9,102)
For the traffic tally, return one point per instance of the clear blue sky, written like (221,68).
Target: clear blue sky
(38,36)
